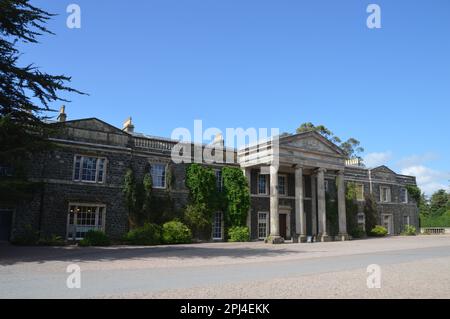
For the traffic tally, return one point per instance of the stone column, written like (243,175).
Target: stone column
(313,205)
(300,225)
(274,217)
(322,204)
(341,207)
(247,174)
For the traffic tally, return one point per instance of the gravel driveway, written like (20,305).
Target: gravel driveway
(411,267)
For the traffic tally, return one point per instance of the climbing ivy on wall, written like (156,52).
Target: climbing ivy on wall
(351,209)
(203,199)
(138,197)
(201,182)
(415,193)
(237,196)
(371,213)
(129,192)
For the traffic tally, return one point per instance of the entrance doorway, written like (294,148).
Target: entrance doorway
(283,224)
(5,224)
(388,224)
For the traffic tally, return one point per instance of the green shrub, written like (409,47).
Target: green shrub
(436,221)
(239,234)
(53,240)
(95,238)
(29,237)
(378,231)
(358,233)
(175,232)
(198,218)
(409,231)
(149,234)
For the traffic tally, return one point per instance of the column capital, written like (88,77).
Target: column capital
(341,172)
(274,168)
(321,170)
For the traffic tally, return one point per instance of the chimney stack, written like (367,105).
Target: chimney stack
(128,126)
(62,117)
(218,139)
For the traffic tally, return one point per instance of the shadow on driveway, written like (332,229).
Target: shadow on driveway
(10,255)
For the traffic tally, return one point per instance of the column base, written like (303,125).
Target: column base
(274,240)
(299,239)
(342,237)
(324,238)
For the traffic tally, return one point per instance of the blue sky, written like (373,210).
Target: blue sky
(265,63)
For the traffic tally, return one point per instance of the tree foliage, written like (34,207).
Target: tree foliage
(435,212)
(351,147)
(439,203)
(26,92)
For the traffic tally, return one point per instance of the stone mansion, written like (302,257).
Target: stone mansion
(83,177)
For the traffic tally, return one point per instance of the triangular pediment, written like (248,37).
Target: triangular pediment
(93,124)
(311,141)
(92,130)
(383,170)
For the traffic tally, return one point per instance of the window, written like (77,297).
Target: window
(406,220)
(360,192)
(83,218)
(326,185)
(6,170)
(282,187)
(262,225)
(385,194)
(403,195)
(158,172)
(217,226)
(219,180)
(262,184)
(89,169)
(362,221)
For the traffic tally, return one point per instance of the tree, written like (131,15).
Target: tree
(438,203)
(351,147)
(26,93)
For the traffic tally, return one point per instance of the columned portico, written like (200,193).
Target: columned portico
(321,205)
(294,156)
(300,220)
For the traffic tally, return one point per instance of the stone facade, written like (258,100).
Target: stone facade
(50,209)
